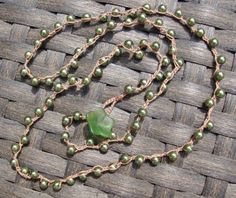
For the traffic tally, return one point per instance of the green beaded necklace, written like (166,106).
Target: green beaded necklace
(99,121)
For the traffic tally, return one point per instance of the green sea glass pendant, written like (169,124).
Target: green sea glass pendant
(100,124)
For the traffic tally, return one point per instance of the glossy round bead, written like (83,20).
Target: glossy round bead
(129,89)
(74,64)
(220,93)
(24,140)
(98,72)
(27,120)
(188,148)
(64,72)
(98,31)
(103,18)
(103,61)
(25,170)
(28,55)
(142,17)
(147,6)
(34,175)
(78,50)
(142,112)
(128,43)
(15,148)
(72,80)
(149,95)
(76,115)
(70,182)
(136,125)
(159,22)
(143,43)
(104,148)
(115,11)
(191,21)
(49,102)
(23,72)
(90,40)
(66,121)
(13,163)
(209,103)
(200,32)
(112,168)
(57,25)
(57,87)
(48,82)
(113,136)
(221,59)
(213,42)
(118,51)
(82,177)
(180,62)
(155,161)
(219,75)
(124,158)
(44,33)
(65,136)
(39,112)
(171,32)
(70,150)
(86,81)
(139,54)
(165,61)
(171,50)
(56,186)
(164,87)
(178,13)
(172,156)
(86,16)
(198,135)
(97,171)
(35,82)
(43,185)
(70,18)
(139,159)
(142,82)
(159,76)
(162,8)
(168,74)
(90,142)
(128,139)
(210,125)
(155,46)
(37,43)
(111,25)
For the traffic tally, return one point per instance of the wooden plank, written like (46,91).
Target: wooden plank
(227,39)
(7,173)
(9,69)
(231,191)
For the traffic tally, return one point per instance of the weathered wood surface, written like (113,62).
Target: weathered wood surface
(210,171)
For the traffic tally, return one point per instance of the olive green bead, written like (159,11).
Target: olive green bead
(147,6)
(57,87)
(15,148)
(128,139)
(90,40)
(171,50)
(64,72)
(112,168)
(198,135)
(209,103)
(24,140)
(219,75)
(43,185)
(113,135)
(98,72)
(76,115)
(97,171)
(168,74)
(70,150)
(142,82)
(143,43)
(44,33)
(27,120)
(65,136)
(72,80)
(142,112)
(159,76)
(139,54)
(70,18)
(213,42)
(139,159)
(188,148)
(221,59)
(28,55)
(48,82)
(180,62)
(34,175)
(115,11)
(111,25)
(164,87)
(56,186)
(57,25)
(158,22)
(25,170)
(220,93)
(99,31)
(165,61)
(155,161)
(173,155)
(210,125)
(74,64)
(90,142)
(136,125)
(86,16)
(39,112)
(104,148)
(128,89)
(35,82)
(66,121)
(200,32)
(23,72)
(37,43)
(191,21)
(142,17)
(78,50)
(128,44)
(103,18)
(103,61)
(149,94)
(155,46)
(70,182)
(178,13)
(49,102)
(171,33)
(124,158)
(162,8)
(118,51)
(82,177)
(86,81)
(13,163)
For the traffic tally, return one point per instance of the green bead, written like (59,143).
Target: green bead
(209,103)
(128,139)
(221,59)
(165,61)
(164,87)
(49,82)
(86,16)
(57,87)
(24,140)
(142,112)
(139,159)
(159,22)
(139,54)
(180,62)
(142,17)
(99,31)
(98,72)
(168,74)
(56,186)
(124,158)
(118,51)
(198,135)
(70,150)
(64,72)
(210,125)
(103,148)
(90,142)
(49,102)
(23,72)
(90,40)
(78,50)
(129,89)
(171,50)
(172,156)
(155,46)
(15,148)
(155,161)
(82,177)
(171,33)
(76,115)
(35,82)
(74,64)
(128,44)
(70,18)
(65,136)
(66,121)
(37,43)
(147,7)
(149,95)
(111,25)
(162,8)
(103,18)
(103,61)
(113,135)
(39,112)
(86,81)
(57,25)
(178,13)
(159,76)
(25,170)
(213,42)
(97,171)
(142,82)
(43,185)
(70,182)
(136,125)
(28,55)
(27,120)
(191,21)
(34,175)
(112,168)
(13,163)
(219,75)
(200,32)
(188,148)
(44,33)
(115,11)
(220,93)
(143,43)
(72,80)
